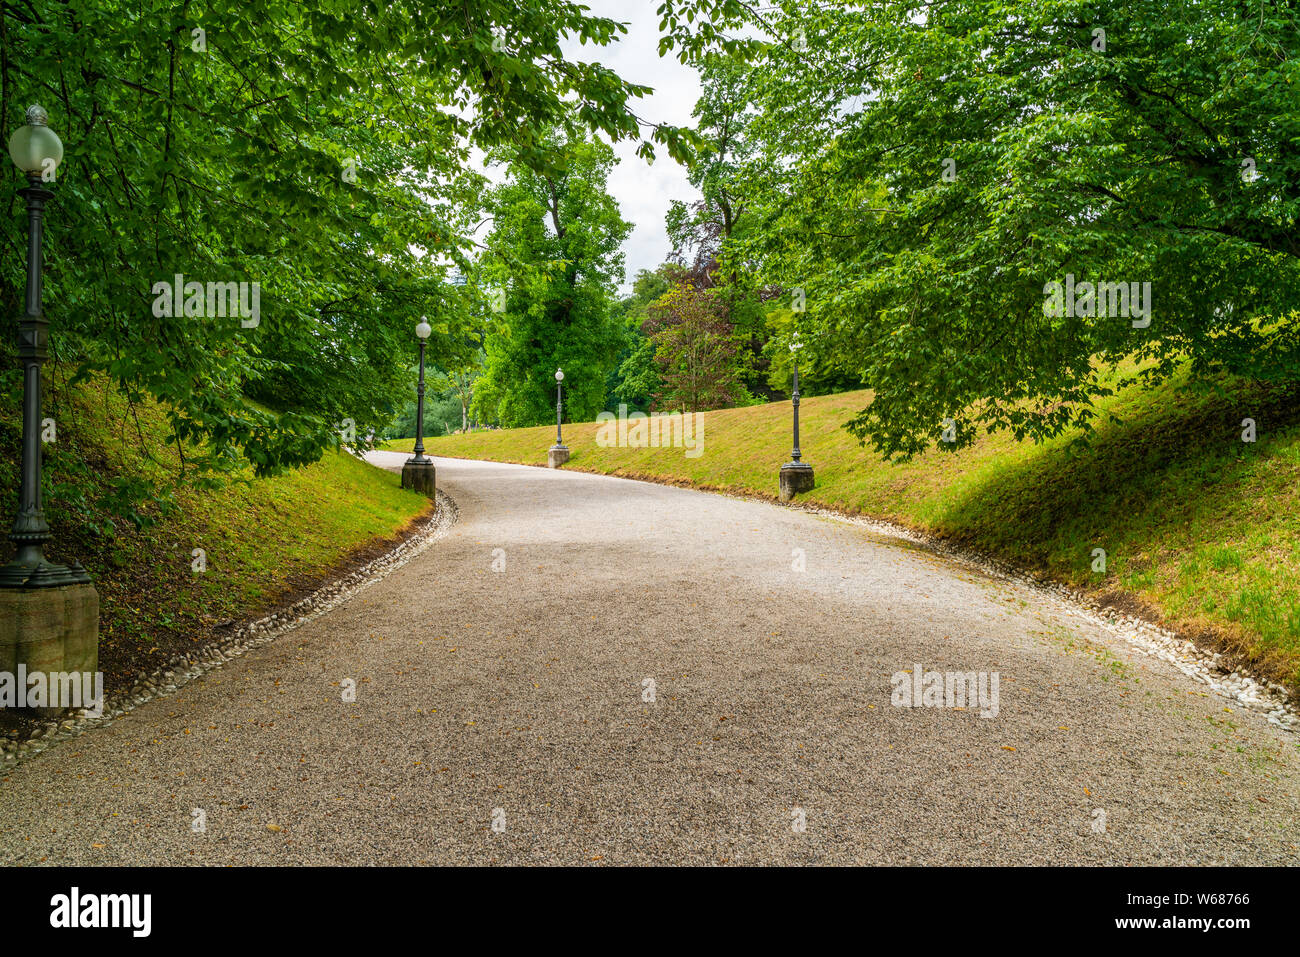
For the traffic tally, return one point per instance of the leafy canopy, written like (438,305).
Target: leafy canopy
(926,171)
(319,150)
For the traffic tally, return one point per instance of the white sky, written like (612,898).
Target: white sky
(643,191)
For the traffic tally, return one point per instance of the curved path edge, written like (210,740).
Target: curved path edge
(182,669)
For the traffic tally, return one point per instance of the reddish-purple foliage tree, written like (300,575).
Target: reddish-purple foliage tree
(695,350)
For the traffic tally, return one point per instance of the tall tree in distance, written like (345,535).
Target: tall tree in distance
(637,379)
(555,249)
(718,169)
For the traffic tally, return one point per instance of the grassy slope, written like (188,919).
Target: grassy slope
(263,540)
(1201,527)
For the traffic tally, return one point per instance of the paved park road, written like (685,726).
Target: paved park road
(522,689)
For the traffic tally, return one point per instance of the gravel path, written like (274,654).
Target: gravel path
(521,688)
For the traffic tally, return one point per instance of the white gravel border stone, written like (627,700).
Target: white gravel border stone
(1202,664)
(178,672)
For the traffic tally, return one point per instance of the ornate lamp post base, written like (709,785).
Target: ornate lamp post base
(556,456)
(796,477)
(419,475)
(42,574)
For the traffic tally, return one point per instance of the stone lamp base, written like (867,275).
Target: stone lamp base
(796,477)
(50,630)
(419,476)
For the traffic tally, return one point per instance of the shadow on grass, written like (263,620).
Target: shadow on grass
(1151,489)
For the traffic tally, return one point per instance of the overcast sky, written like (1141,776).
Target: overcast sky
(643,191)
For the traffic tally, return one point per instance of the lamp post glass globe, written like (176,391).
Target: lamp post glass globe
(423,329)
(559,375)
(34,147)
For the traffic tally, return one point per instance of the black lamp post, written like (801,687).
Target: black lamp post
(796,475)
(558,453)
(794,401)
(422,331)
(418,471)
(559,404)
(36,151)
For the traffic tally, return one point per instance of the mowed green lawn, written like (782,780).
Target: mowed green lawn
(1201,527)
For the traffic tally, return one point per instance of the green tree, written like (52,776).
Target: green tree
(943,165)
(457,387)
(718,168)
(725,167)
(637,379)
(554,247)
(320,151)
